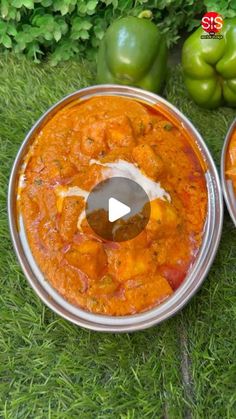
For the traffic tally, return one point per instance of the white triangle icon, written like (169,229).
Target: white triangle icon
(117,209)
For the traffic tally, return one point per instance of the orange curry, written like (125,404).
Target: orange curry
(231,160)
(100,276)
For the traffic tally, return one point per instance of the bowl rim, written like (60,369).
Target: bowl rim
(198,272)
(227,184)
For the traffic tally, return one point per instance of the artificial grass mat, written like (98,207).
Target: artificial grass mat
(49,368)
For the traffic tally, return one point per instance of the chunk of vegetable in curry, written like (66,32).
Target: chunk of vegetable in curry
(108,277)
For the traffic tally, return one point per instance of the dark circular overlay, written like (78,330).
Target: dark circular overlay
(127,192)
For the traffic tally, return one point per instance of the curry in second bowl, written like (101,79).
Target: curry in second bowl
(83,144)
(228,171)
(231,160)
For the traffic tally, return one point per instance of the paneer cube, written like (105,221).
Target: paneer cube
(93,139)
(119,132)
(89,257)
(148,160)
(163,218)
(131,262)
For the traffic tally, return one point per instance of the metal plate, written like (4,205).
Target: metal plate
(227,184)
(201,266)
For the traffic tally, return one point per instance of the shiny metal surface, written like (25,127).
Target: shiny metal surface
(227,184)
(199,270)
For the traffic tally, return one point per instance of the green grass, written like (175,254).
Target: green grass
(50,368)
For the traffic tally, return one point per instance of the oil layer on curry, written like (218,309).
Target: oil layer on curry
(69,156)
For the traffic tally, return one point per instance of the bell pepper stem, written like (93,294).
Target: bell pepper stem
(145,14)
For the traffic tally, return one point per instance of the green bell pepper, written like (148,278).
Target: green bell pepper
(133,52)
(209,67)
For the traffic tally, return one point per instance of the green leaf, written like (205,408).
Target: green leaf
(80,35)
(82,8)
(84,35)
(92,4)
(62,6)
(45,21)
(29,4)
(17,3)
(18,16)
(4,8)
(86,25)
(3,27)
(46,3)
(71,8)
(79,24)
(11,30)
(57,35)
(193,24)
(75,35)
(99,32)
(64,9)
(63,26)
(48,36)
(6,41)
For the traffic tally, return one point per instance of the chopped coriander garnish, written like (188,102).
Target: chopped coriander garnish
(168,126)
(38,182)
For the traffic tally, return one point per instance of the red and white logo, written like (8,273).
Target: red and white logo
(212,22)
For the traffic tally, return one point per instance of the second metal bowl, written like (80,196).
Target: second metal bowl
(227,184)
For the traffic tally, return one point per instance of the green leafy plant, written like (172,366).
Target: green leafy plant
(227,8)
(59,29)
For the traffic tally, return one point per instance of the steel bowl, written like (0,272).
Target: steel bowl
(197,273)
(227,184)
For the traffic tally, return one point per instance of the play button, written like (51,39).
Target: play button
(117,209)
